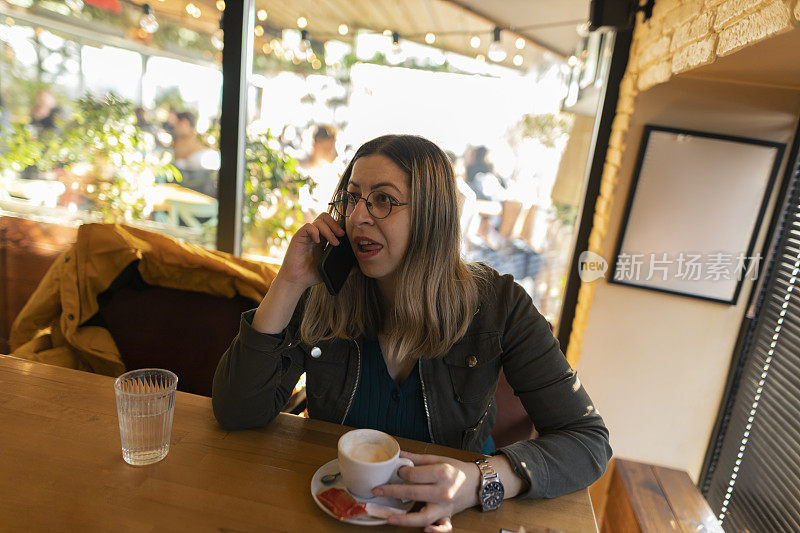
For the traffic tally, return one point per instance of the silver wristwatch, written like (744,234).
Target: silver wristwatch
(490,493)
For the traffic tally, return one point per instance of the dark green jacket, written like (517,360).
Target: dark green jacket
(257,374)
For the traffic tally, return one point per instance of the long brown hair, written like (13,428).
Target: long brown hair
(438,292)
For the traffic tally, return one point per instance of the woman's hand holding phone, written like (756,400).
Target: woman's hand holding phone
(298,272)
(299,266)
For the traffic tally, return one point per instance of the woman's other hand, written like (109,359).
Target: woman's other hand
(448,486)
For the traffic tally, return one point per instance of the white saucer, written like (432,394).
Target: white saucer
(332,467)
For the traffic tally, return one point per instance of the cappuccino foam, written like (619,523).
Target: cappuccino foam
(369,452)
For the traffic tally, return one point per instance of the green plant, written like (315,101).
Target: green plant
(99,150)
(565,214)
(271,213)
(170,98)
(546,128)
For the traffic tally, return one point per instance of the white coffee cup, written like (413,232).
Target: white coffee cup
(369,458)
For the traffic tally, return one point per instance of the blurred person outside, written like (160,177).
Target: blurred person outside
(46,113)
(46,117)
(196,161)
(322,167)
(467,201)
(481,176)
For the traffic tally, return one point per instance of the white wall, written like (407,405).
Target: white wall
(656,364)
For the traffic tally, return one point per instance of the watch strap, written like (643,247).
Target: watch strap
(487,472)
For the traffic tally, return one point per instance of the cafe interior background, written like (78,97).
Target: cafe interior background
(543,120)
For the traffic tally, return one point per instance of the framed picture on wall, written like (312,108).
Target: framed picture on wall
(693,213)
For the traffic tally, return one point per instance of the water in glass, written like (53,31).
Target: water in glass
(145,406)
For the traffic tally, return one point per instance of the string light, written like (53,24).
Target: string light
(305,45)
(496,51)
(193,10)
(148,21)
(396,55)
(582,30)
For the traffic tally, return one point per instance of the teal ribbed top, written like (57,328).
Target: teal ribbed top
(380,403)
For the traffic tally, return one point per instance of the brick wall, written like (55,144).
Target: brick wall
(681,35)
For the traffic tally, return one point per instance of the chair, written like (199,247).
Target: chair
(512,423)
(191,213)
(123,298)
(183,331)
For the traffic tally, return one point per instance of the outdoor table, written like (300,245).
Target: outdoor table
(166,193)
(61,468)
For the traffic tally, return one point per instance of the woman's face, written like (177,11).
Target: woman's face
(379,244)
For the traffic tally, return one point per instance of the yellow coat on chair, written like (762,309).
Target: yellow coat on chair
(50,328)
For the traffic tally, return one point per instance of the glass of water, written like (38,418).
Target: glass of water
(145,403)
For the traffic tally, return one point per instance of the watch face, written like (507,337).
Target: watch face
(492,495)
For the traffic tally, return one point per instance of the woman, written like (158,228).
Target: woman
(413,344)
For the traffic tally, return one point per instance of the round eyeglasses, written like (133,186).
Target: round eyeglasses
(379,204)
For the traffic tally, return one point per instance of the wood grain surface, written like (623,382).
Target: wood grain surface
(61,468)
(650,499)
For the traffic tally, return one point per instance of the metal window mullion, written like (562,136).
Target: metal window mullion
(237,63)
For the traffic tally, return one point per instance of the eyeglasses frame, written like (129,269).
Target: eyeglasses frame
(335,203)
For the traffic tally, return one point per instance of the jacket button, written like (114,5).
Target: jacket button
(316,352)
(71,316)
(472,361)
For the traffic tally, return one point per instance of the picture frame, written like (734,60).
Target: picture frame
(696,203)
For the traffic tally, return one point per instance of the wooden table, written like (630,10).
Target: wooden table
(164,193)
(61,468)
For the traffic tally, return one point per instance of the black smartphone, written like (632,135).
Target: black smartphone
(336,264)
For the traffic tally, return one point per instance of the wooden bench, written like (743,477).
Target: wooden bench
(27,249)
(639,497)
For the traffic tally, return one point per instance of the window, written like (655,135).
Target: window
(110,114)
(752,479)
